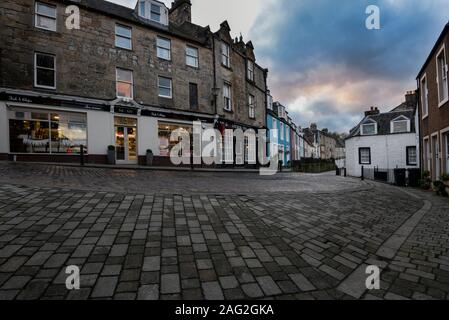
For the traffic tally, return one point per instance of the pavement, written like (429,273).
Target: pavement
(196,235)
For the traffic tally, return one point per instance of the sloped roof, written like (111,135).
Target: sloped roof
(383,120)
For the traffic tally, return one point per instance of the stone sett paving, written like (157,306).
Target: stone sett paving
(182,235)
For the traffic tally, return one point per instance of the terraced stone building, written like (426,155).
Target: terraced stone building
(126,78)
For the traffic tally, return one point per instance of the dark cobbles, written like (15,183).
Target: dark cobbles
(237,236)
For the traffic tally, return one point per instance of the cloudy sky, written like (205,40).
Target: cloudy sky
(325,66)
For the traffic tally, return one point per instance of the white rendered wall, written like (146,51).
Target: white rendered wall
(387,152)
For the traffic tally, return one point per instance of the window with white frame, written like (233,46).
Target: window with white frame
(155,12)
(364,155)
(412,156)
(45,16)
(165,87)
(123,37)
(250,71)
(400,125)
(282,130)
(252,106)
(442,71)
(192,56)
(369,128)
(225,54)
(124,83)
(287,134)
(227,97)
(163,48)
(44,71)
(424,97)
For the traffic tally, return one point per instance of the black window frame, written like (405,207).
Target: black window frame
(360,155)
(407,153)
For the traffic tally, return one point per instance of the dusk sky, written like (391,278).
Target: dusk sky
(324,65)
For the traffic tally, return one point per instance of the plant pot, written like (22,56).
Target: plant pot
(149,159)
(111,156)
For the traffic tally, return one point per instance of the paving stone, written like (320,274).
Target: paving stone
(170,284)
(212,291)
(152,264)
(252,290)
(269,287)
(105,287)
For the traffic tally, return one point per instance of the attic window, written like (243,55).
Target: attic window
(400,125)
(155,12)
(151,10)
(369,129)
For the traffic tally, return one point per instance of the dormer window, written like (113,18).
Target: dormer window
(369,128)
(400,125)
(154,11)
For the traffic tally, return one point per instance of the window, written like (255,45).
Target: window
(270,102)
(152,11)
(369,129)
(165,87)
(227,97)
(124,83)
(41,131)
(412,157)
(275,128)
(192,57)
(155,14)
(163,48)
(252,106)
(44,71)
(123,37)
(287,134)
(225,57)
(45,17)
(364,155)
(400,125)
(250,71)
(282,131)
(164,133)
(442,82)
(424,97)
(193,96)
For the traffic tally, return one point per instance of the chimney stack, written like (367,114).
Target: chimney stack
(411,98)
(180,12)
(372,112)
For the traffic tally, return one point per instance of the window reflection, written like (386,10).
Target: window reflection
(44,132)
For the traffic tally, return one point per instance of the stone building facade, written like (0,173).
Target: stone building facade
(433,89)
(126,78)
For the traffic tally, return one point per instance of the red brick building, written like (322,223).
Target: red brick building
(434,108)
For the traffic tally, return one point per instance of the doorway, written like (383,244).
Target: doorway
(436,157)
(126,140)
(446,144)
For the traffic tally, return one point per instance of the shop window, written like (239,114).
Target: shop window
(165,130)
(47,132)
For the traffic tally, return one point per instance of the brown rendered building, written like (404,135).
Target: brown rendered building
(433,108)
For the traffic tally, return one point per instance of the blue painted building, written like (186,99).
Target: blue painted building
(279,131)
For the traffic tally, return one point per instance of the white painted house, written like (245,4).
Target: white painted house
(385,140)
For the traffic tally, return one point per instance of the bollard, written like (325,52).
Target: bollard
(362,177)
(82,155)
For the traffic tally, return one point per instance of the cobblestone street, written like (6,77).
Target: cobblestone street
(193,235)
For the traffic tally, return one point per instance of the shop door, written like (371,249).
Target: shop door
(126,144)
